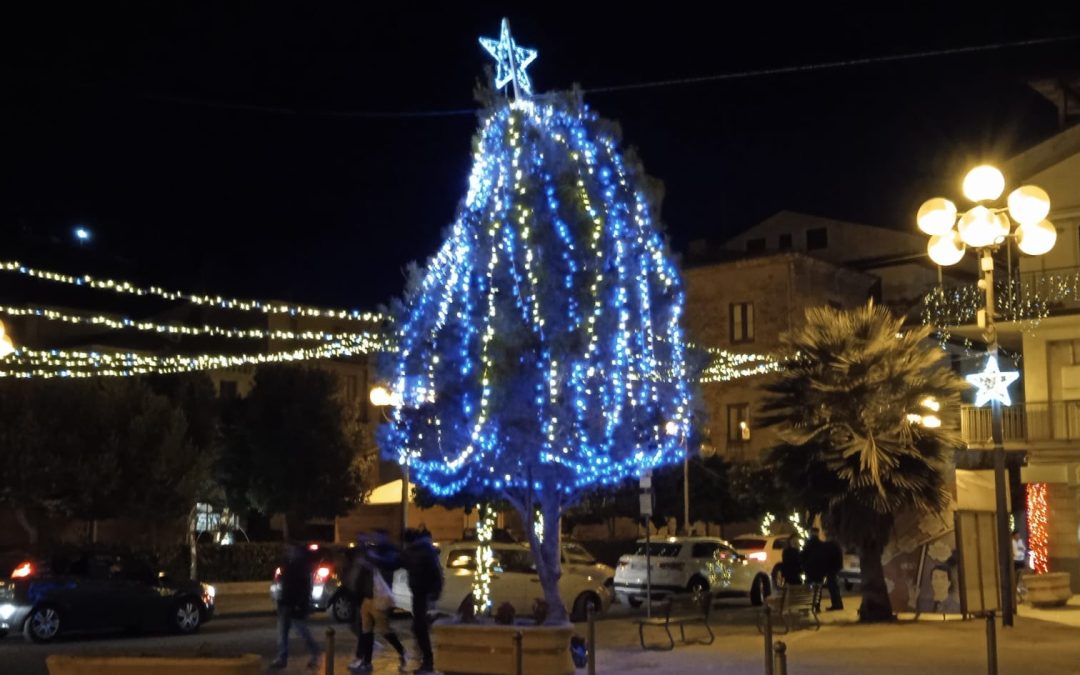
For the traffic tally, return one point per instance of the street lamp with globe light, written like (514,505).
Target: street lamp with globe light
(383,398)
(985,227)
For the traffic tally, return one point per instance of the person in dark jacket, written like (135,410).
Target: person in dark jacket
(421,560)
(812,560)
(790,566)
(373,599)
(833,561)
(294,601)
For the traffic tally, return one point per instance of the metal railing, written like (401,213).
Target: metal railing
(1032,422)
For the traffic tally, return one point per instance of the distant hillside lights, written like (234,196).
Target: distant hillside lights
(7,347)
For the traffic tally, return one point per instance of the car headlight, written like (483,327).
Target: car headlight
(6,610)
(209,591)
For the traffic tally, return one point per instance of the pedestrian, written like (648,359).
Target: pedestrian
(790,567)
(813,562)
(421,560)
(374,600)
(833,560)
(1019,551)
(294,602)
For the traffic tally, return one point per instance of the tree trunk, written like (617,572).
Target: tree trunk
(24,521)
(285,527)
(875,594)
(550,570)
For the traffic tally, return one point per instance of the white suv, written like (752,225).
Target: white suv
(584,582)
(768,549)
(694,564)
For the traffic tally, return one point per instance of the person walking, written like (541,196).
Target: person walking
(833,561)
(813,562)
(1019,555)
(421,560)
(374,600)
(294,602)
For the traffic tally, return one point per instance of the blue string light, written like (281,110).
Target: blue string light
(542,349)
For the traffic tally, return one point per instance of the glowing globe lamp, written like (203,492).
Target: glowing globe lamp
(946,249)
(982,227)
(1036,239)
(936,216)
(1029,204)
(983,183)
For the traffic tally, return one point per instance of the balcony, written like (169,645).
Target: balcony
(1031,422)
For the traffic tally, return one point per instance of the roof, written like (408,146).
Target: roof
(1035,159)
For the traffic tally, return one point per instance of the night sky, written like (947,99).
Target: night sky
(274,151)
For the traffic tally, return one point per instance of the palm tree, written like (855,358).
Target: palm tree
(847,407)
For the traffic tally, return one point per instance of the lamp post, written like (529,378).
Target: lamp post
(984,228)
(382,398)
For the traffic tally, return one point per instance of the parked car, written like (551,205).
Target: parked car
(327,590)
(694,564)
(766,549)
(584,581)
(93,592)
(851,574)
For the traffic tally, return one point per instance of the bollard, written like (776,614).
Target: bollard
(519,660)
(767,630)
(329,651)
(781,658)
(590,645)
(991,644)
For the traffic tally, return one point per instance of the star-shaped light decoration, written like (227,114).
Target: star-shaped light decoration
(510,59)
(992,384)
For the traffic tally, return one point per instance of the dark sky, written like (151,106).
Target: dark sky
(202,141)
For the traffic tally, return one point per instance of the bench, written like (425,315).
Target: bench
(797,601)
(679,610)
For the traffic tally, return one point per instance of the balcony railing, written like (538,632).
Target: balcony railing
(1030,422)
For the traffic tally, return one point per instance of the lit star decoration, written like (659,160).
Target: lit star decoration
(510,60)
(542,352)
(992,384)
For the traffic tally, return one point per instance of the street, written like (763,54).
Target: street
(1046,644)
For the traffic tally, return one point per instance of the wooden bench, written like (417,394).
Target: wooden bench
(679,610)
(796,602)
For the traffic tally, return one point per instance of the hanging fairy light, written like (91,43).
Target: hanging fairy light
(485,532)
(1038,527)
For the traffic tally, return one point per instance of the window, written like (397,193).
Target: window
(662,550)
(704,549)
(755,245)
(227,389)
(461,559)
(748,543)
(785,242)
(576,555)
(741,316)
(517,561)
(780,544)
(817,238)
(738,423)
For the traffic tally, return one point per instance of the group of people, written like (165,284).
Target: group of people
(368,581)
(819,562)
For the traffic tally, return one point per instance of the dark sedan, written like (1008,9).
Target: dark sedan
(95,592)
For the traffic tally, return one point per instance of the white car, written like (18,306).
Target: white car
(767,549)
(584,582)
(690,564)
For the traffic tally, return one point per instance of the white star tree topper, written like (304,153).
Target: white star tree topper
(510,59)
(992,383)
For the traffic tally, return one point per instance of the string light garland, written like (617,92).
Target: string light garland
(728,366)
(220,302)
(76,364)
(1038,527)
(485,532)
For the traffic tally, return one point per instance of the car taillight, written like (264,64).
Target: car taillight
(322,573)
(277,574)
(672,565)
(758,555)
(22,571)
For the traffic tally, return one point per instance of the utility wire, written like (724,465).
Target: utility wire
(653,84)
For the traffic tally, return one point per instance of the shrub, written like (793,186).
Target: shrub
(505,614)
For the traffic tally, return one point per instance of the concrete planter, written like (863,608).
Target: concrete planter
(489,648)
(248,664)
(1048,590)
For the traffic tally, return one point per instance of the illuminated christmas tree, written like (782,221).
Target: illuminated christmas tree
(541,355)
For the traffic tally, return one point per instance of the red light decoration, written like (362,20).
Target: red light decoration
(1038,527)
